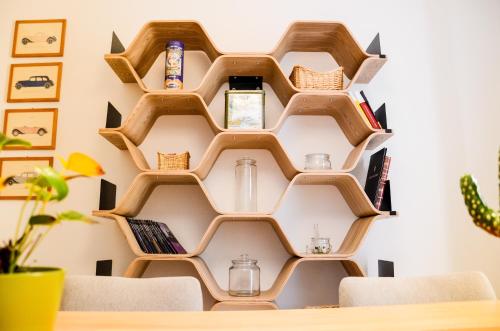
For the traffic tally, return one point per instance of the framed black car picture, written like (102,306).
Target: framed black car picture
(34,82)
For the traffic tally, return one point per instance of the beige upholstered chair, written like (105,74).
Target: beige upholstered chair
(369,291)
(91,293)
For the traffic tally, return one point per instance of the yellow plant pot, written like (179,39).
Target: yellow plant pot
(29,300)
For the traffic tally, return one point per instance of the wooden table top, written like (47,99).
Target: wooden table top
(442,316)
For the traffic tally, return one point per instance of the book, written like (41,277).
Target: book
(367,110)
(360,110)
(155,237)
(383,180)
(374,174)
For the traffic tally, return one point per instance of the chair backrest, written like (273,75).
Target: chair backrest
(101,293)
(370,291)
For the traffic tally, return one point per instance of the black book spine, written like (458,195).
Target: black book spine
(152,238)
(173,240)
(161,239)
(133,226)
(147,237)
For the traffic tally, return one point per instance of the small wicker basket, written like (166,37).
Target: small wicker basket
(305,78)
(173,161)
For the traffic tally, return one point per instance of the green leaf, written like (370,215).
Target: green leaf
(42,220)
(72,215)
(5,141)
(51,178)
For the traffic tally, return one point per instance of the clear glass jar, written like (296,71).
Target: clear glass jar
(244,277)
(320,245)
(246,185)
(318,161)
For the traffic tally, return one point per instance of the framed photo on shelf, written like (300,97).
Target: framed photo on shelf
(38,126)
(17,171)
(34,82)
(39,38)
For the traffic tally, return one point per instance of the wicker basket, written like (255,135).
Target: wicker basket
(173,161)
(305,78)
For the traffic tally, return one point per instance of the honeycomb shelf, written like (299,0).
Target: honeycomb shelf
(140,264)
(132,64)
(339,106)
(347,249)
(143,185)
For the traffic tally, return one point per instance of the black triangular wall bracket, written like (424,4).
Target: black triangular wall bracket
(386,204)
(374,47)
(116,45)
(113,117)
(381,116)
(107,197)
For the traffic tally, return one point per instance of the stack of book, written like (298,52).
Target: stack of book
(155,237)
(377,177)
(376,120)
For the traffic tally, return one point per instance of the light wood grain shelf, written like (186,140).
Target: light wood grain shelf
(246,140)
(332,37)
(302,36)
(140,264)
(143,185)
(153,105)
(347,249)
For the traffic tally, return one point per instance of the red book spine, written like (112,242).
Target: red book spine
(370,115)
(368,112)
(381,185)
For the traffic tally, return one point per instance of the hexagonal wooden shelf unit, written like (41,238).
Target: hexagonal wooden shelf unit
(140,264)
(339,106)
(302,36)
(331,37)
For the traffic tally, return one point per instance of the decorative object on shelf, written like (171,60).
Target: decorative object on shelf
(155,237)
(318,161)
(39,38)
(305,78)
(244,277)
(37,126)
(245,103)
(319,245)
(482,215)
(246,185)
(18,281)
(34,82)
(174,65)
(173,161)
(376,176)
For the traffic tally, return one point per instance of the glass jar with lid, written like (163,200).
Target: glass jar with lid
(318,161)
(244,277)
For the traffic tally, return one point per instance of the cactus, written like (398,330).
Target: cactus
(482,215)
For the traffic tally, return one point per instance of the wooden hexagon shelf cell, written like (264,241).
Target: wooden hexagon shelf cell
(303,36)
(153,105)
(132,65)
(140,264)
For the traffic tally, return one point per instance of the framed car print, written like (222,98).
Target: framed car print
(16,171)
(33,82)
(38,126)
(39,38)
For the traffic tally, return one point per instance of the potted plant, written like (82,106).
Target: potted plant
(30,296)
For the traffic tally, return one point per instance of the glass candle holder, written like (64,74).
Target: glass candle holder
(320,245)
(244,277)
(318,161)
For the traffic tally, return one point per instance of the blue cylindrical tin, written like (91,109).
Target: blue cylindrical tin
(174,65)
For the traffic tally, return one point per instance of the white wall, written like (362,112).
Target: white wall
(440,85)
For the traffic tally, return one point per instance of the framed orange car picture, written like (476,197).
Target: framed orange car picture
(16,172)
(38,126)
(34,82)
(39,38)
